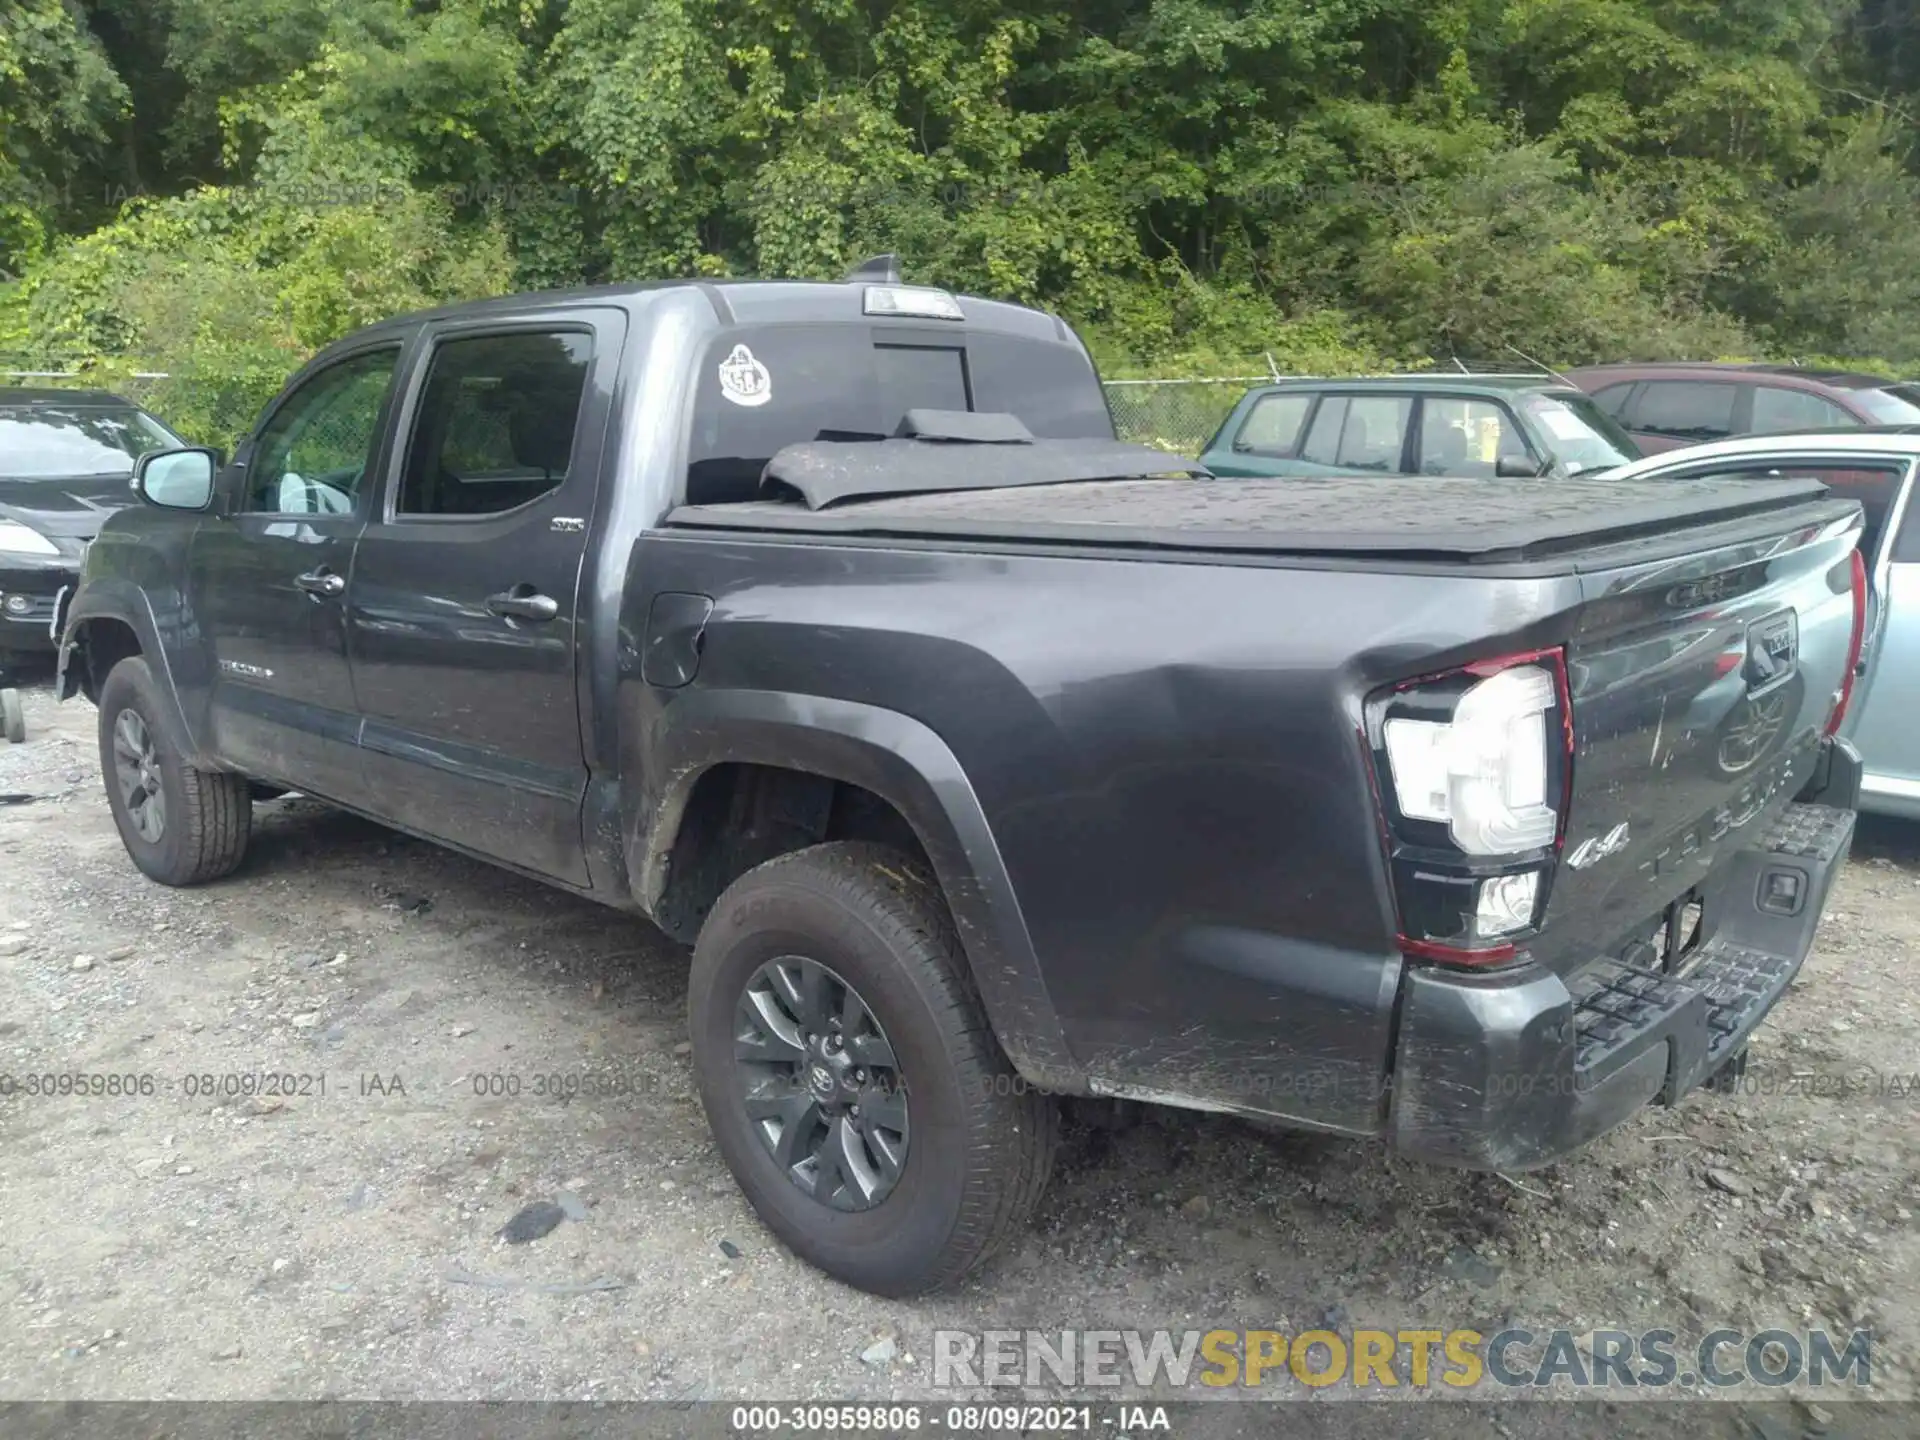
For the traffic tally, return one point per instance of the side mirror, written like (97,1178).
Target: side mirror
(1518,467)
(176,479)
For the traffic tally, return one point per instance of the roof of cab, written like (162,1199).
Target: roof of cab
(745,302)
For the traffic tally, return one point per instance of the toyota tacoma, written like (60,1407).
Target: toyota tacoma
(982,759)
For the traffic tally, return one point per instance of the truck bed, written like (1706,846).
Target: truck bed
(1403,517)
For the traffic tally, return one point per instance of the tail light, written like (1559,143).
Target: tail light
(1472,769)
(1854,647)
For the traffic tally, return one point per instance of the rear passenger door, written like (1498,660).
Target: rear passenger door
(464,610)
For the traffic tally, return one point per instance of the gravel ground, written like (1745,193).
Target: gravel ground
(201,1243)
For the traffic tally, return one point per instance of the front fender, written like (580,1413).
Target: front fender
(118,600)
(908,765)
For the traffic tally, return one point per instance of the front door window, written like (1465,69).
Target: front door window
(314,453)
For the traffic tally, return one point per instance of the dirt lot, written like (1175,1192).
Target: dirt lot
(196,1243)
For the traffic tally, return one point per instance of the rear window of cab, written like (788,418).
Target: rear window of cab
(761,388)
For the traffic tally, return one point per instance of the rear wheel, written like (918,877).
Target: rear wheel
(181,825)
(850,1076)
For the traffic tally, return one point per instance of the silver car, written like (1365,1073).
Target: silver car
(1875,467)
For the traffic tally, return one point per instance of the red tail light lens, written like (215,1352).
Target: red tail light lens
(1854,646)
(1471,772)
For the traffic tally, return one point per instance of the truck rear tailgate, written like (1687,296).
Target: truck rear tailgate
(1701,688)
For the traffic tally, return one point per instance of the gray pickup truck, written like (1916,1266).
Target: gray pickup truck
(979,759)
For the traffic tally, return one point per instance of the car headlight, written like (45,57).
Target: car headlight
(18,539)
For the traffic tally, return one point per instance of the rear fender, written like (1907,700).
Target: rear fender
(909,766)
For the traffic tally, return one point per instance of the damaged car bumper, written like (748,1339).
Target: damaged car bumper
(1513,1070)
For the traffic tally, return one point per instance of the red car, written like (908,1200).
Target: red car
(1667,406)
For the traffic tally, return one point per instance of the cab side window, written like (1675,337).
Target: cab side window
(313,454)
(496,421)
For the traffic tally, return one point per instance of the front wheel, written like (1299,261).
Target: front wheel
(181,825)
(852,1081)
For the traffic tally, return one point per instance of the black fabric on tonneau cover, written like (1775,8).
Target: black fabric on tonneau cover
(1443,518)
(973,427)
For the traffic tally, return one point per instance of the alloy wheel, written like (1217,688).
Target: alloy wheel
(136,769)
(821,1086)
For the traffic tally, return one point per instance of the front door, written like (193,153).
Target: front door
(464,606)
(267,578)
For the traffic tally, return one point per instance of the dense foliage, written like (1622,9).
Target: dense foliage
(215,186)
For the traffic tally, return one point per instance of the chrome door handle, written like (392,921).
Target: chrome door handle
(321,582)
(520,603)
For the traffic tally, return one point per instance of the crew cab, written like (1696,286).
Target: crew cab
(982,759)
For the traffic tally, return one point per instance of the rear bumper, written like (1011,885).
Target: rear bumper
(1509,1071)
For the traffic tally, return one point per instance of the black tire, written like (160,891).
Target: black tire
(982,1140)
(207,816)
(13,719)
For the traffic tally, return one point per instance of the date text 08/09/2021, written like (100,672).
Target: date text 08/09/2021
(975,1419)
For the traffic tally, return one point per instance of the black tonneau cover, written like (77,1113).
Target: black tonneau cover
(1448,518)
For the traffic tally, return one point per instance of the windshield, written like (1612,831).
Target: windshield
(43,442)
(1891,404)
(1584,436)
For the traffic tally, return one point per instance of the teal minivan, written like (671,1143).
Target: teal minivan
(1471,425)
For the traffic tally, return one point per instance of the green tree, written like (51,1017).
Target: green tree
(59,98)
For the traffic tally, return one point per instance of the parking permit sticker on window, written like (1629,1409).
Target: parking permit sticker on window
(1562,423)
(743,379)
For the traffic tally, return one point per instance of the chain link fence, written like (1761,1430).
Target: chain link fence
(1176,415)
